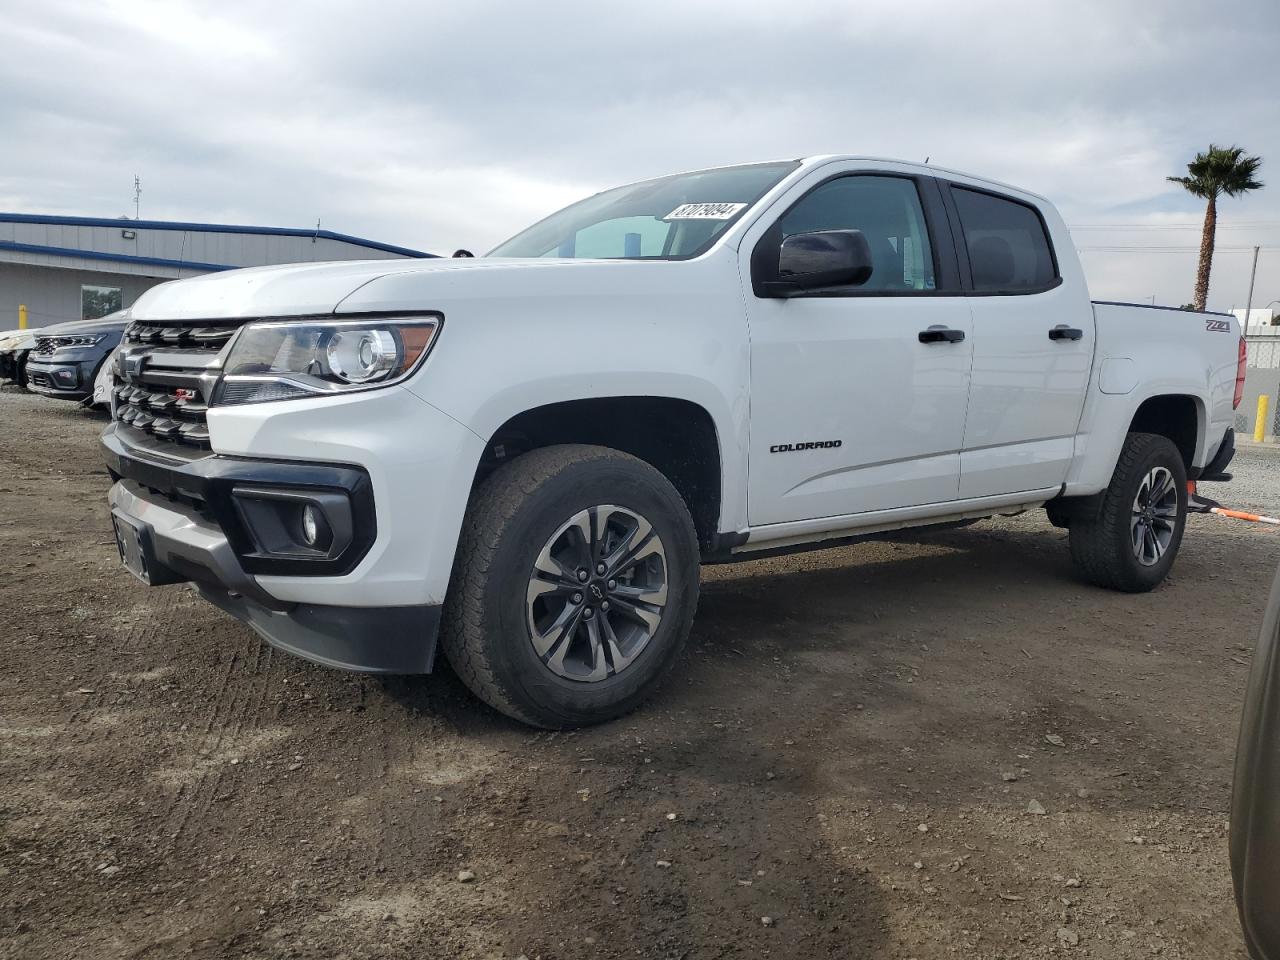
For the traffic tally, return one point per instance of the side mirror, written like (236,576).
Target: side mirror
(827,258)
(1255,800)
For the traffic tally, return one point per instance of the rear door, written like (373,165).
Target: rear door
(852,409)
(1032,346)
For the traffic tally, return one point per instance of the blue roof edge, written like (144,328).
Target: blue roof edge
(110,257)
(126,224)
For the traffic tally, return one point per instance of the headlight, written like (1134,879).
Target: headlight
(283,360)
(79,340)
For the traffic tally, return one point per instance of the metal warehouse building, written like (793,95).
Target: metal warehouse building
(76,268)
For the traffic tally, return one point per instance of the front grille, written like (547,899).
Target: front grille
(38,379)
(164,375)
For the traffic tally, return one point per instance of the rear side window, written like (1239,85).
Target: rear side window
(1008,248)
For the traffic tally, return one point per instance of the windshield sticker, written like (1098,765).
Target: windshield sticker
(706,211)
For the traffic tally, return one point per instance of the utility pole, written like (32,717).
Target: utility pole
(1248,306)
(137,195)
(1259,426)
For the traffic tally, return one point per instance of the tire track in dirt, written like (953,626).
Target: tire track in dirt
(180,807)
(390,788)
(86,736)
(210,782)
(239,696)
(374,773)
(385,738)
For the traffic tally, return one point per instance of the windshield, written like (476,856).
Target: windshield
(666,219)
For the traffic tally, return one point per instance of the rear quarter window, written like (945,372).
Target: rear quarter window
(1009,250)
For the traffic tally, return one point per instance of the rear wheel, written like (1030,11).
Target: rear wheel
(1132,542)
(574,587)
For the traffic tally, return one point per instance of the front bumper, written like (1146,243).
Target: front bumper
(65,380)
(366,639)
(189,528)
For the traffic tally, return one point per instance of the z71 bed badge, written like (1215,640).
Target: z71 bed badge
(1218,326)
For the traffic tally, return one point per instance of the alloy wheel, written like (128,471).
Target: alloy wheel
(1154,517)
(597,593)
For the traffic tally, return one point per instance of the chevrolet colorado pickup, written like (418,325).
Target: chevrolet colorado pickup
(524,457)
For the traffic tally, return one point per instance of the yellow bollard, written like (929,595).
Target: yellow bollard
(1260,425)
(22,316)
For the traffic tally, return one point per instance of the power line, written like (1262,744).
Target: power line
(1117,248)
(1184,225)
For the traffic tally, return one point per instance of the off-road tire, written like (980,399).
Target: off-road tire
(484,630)
(1102,546)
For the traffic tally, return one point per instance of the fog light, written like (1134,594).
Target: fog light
(293,524)
(313,527)
(310,525)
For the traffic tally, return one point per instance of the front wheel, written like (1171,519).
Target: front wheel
(1132,542)
(574,586)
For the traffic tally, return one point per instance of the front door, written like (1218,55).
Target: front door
(858,395)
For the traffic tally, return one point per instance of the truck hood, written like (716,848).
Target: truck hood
(279,291)
(319,288)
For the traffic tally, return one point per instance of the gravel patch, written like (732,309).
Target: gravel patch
(1255,483)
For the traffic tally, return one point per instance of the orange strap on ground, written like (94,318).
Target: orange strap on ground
(1241,515)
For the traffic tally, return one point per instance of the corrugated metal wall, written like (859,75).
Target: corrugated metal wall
(48,280)
(53,295)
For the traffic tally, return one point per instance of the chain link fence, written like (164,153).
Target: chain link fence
(1264,352)
(1262,376)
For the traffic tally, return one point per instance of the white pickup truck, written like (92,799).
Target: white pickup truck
(524,457)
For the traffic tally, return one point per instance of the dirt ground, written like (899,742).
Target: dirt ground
(944,747)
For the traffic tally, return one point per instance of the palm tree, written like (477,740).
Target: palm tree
(1217,171)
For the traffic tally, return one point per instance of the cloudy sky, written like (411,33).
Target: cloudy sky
(438,125)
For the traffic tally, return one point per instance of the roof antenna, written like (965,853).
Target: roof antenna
(926,160)
(137,195)
(316,235)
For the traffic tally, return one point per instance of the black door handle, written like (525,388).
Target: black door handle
(941,335)
(1063,332)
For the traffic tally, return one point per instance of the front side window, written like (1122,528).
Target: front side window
(96,302)
(887,210)
(666,219)
(1009,251)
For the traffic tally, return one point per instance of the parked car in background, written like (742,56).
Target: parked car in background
(15,345)
(66,358)
(528,454)
(99,397)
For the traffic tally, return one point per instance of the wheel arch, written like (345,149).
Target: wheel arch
(1181,417)
(676,436)
(1171,410)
